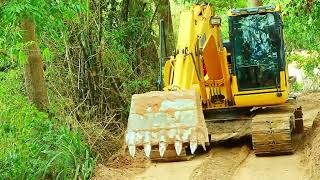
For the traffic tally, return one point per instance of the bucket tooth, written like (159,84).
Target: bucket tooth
(178,147)
(193,146)
(147,149)
(204,146)
(162,148)
(132,150)
(130,138)
(147,144)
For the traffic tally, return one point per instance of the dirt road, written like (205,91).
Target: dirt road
(238,163)
(173,170)
(275,168)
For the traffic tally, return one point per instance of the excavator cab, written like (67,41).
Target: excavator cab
(258,51)
(258,55)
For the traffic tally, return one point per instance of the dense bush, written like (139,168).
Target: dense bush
(33,145)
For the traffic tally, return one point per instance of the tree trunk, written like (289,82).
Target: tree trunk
(124,19)
(34,74)
(256,3)
(164,12)
(112,13)
(125,10)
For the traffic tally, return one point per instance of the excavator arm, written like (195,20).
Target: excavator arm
(201,60)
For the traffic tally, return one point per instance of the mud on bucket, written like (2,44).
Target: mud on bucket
(160,119)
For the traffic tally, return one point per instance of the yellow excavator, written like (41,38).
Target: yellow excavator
(213,90)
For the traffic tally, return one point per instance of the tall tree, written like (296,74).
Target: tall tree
(34,74)
(50,16)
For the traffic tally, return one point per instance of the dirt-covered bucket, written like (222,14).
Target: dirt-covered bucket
(159,119)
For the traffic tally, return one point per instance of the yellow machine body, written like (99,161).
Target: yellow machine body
(200,44)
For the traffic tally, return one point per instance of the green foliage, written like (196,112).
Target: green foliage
(32,144)
(50,17)
(301,18)
(297,87)
(301,23)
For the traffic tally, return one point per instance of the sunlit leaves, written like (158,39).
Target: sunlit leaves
(302,24)
(46,54)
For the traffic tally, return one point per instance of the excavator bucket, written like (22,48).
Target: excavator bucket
(160,119)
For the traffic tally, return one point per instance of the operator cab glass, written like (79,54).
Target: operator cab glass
(257,50)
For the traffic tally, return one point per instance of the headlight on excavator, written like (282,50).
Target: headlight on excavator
(215,21)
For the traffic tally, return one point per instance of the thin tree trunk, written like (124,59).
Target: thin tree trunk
(139,60)
(125,10)
(34,74)
(112,12)
(164,12)
(124,19)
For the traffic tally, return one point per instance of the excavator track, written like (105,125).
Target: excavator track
(273,129)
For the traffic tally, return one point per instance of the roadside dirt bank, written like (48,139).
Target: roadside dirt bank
(311,151)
